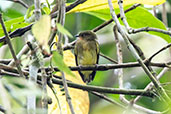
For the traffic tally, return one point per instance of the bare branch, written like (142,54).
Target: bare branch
(17,63)
(108,99)
(111,20)
(162,49)
(73,5)
(134,53)
(123,17)
(105,89)
(20,2)
(24,50)
(146,29)
(150,85)
(164,14)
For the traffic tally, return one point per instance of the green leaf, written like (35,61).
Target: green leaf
(41,29)
(13,24)
(137,18)
(103,14)
(63,30)
(29,12)
(93,5)
(58,61)
(46,10)
(140,17)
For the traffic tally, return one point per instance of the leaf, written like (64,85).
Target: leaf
(92,5)
(58,60)
(29,12)
(41,29)
(63,30)
(137,18)
(13,24)
(140,17)
(80,98)
(46,10)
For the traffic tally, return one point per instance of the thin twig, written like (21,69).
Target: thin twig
(154,11)
(120,61)
(159,51)
(21,31)
(61,20)
(33,71)
(150,85)
(105,89)
(164,14)
(102,67)
(123,17)
(37,10)
(5,61)
(17,63)
(108,58)
(44,88)
(3,72)
(73,5)
(2,109)
(134,53)
(55,94)
(147,29)
(108,99)
(24,50)
(111,20)
(20,2)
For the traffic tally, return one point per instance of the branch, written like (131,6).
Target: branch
(24,50)
(5,61)
(16,33)
(162,49)
(106,89)
(134,53)
(108,58)
(123,17)
(61,20)
(20,2)
(21,31)
(2,109)
(73,5)
(111,20)
(164,14)
(150,85)
(17,63)
(147,29)
(107,99)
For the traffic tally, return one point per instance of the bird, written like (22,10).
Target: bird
(86,53)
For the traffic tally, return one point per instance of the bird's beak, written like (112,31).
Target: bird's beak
(77,35)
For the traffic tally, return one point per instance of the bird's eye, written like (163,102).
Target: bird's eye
(83,35)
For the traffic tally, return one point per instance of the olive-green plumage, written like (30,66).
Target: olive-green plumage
(86,53)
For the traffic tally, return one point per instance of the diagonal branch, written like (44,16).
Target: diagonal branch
(21,31)
(159,88)
(17,63)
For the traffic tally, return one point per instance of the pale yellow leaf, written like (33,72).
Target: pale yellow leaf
(41,29)
(92,5)
(79,98)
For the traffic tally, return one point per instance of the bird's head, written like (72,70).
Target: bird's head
(87,35)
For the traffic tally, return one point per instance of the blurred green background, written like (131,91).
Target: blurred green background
(134,78)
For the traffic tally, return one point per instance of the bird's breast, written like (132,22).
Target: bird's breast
(89,56)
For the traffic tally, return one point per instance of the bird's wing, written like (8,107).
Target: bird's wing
(97,51)
(76,53)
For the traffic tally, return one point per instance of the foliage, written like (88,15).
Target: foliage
(87,16)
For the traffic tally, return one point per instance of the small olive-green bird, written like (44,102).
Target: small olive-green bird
(86,53)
